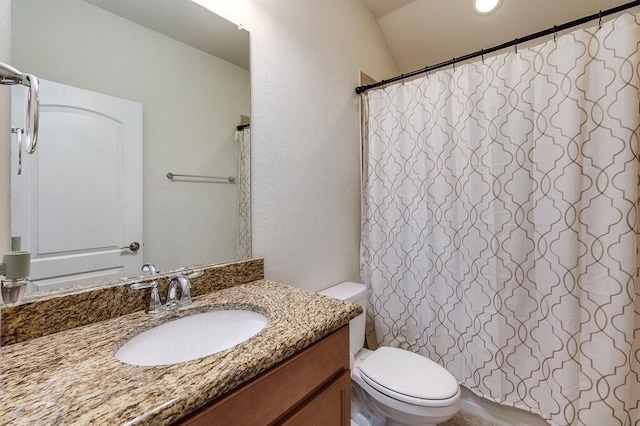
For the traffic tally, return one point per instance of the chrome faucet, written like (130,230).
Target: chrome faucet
(150,268)
(185,287)
(155,305)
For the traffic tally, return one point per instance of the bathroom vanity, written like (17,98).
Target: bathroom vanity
(312,387)
(294,371)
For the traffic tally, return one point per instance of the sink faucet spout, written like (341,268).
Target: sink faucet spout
(185,286)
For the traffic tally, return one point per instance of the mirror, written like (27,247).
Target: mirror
(131,90)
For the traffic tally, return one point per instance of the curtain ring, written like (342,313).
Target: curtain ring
(555,34)
(482,55)
(454,64)
(402,78)
(600,19)
(515,41)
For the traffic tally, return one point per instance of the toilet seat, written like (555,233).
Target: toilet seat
(409,377)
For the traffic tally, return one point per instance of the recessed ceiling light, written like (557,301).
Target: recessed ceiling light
(485,7)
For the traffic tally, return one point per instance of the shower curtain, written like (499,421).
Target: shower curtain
(243,247)
(500,230)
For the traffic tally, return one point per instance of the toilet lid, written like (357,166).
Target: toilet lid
(407,376)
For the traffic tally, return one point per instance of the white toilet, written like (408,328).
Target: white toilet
(393,386)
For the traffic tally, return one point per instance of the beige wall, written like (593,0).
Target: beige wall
(189,125)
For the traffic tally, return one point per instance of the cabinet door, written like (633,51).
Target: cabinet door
(330,407)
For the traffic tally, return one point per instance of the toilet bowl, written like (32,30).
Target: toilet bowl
(393,386)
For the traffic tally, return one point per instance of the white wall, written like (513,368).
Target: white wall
(305,60)
(189,125)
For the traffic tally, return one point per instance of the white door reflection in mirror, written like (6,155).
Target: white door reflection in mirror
(79,198)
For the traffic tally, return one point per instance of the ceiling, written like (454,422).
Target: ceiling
(188,23)
(380,8)
(426,32)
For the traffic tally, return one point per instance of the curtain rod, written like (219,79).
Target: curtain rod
(242,127)
(480,53)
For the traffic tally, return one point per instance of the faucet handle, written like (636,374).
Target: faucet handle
(195,274)
(155,305)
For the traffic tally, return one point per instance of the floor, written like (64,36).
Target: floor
(466,419)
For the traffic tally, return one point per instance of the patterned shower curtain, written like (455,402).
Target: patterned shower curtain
(243,247)
(500,224)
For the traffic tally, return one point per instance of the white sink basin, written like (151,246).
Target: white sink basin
(191,337)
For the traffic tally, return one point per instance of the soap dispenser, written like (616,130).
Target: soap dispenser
(15,267)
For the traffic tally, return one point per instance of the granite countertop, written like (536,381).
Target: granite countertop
(73,377)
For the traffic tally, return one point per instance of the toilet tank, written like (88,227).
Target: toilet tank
(354,293)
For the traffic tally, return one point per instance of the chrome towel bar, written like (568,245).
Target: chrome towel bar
(230,179)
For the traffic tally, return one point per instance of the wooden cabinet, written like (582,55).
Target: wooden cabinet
(312,387)
(330,406)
